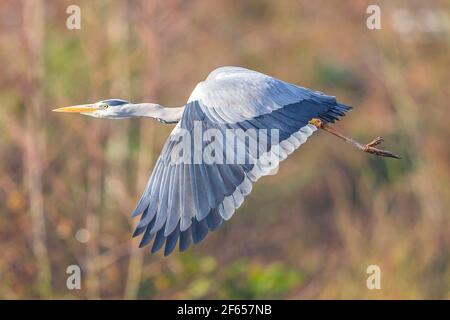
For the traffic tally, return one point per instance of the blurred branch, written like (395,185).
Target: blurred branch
(33,34)
(118,35)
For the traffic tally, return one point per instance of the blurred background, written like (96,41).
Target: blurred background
(68,183)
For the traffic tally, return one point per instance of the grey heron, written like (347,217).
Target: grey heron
(182,202)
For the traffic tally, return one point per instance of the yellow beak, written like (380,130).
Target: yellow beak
(82,108)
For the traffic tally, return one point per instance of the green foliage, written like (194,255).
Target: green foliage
(253,280)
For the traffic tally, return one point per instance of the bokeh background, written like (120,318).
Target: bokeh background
(68,183)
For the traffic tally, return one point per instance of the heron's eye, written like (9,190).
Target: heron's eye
(104,106)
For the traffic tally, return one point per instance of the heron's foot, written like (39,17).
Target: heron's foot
(317,122)
(370,148)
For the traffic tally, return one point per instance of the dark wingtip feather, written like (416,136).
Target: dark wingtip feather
(213,219)
(138,231)
(143,222)
(199,230)
(336,111)
(171,241)
(148,236)
(185,239)
(159,240)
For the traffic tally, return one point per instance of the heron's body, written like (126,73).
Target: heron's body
(182,202)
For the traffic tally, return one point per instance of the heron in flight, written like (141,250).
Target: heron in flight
(183,201)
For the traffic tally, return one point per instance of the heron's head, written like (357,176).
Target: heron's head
(111,108)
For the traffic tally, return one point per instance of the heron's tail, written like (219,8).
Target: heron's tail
(335,111)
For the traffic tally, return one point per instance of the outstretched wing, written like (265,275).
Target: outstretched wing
(183,200)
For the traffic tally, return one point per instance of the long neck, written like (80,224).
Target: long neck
(158,112)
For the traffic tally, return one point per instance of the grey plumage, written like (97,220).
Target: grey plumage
(183,202)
